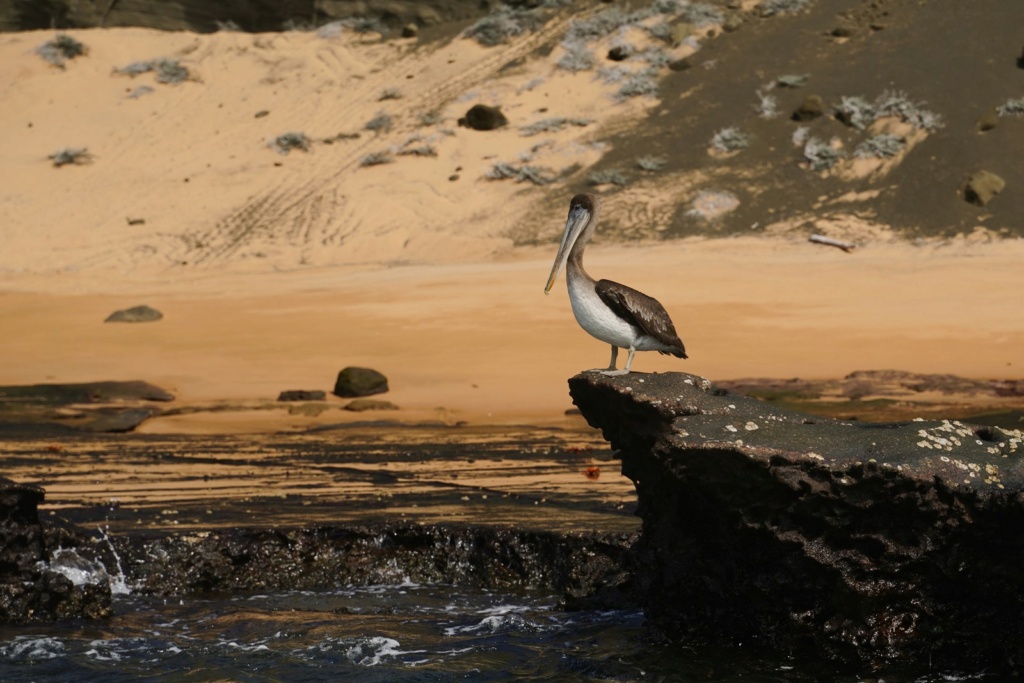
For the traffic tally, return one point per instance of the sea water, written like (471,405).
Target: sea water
(403,632)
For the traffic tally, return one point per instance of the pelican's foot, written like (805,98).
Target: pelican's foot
(614,373)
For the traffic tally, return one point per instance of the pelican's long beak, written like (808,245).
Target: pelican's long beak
(574,224)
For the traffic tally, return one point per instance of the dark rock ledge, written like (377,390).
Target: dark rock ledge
(39,581)
(865,543)
(52,571)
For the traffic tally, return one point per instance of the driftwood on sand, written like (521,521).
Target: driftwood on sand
(832,242)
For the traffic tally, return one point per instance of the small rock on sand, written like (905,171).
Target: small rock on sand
(135,314)
(483,117)
(982,186)
(812,107)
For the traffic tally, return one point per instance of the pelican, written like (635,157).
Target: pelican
(614,313)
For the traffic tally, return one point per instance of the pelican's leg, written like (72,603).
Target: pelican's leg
(624,371)
(629,359)
(611,365)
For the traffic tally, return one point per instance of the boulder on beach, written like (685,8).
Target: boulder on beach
(353,382)
(867,543)
(135,314)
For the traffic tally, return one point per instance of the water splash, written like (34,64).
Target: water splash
(79,570)
(118,582)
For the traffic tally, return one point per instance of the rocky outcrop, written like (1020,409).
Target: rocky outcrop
(73,405)
(892,395)
(232,560)
(83,392)
(51,573)
(37,581)
(868,543)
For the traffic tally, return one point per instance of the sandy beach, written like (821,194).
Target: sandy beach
(276,271)
(481,343)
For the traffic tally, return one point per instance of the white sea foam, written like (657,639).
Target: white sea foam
(371,651)
(498,623)
(367,651)
(32,648)
(103,651)
(505,609)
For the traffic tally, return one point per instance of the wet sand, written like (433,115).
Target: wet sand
(560,480)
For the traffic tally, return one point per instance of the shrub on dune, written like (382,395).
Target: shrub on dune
(59,50)
(73,156)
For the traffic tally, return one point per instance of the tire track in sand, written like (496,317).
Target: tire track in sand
(308,208)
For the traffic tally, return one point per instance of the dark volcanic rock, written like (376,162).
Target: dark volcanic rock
(989,120)
(620,53)
(483,117)
(301,395)
(812,107)
(982,187)
(733,23)
(682,64)
(579,565)
(354,382)
(868,543)
(891,383)
(83,392)
(35,584)
(41,404)
(135,314)
(117,419)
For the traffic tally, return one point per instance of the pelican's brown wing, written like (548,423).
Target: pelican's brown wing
(642,312)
